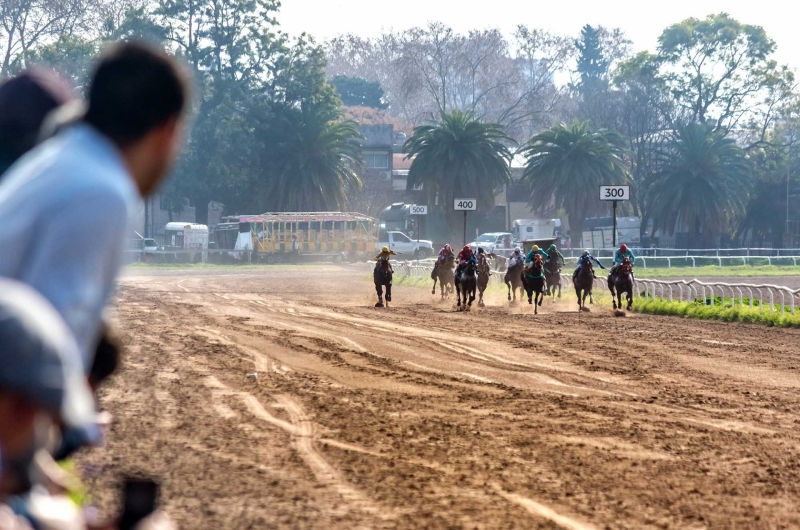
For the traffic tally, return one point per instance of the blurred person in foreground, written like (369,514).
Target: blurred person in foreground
(25,103)
(42,385)
(66,207)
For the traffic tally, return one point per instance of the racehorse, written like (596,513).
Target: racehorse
(584,281)
(533,280)
(513,280)
(552,274)
(383,277)
(484,272)
(443,273)
(466,282)
(622,282)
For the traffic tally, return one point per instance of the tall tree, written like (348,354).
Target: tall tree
(568,163)
(358,92)
(28,24)
(595,100)
(458,156)
(229,45)
(720,71)
(71,56)
(772,203)
(310,160)
(646,112)
(702,184)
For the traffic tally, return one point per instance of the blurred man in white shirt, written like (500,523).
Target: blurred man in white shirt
(67,205)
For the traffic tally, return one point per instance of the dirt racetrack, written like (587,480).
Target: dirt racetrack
(418,417)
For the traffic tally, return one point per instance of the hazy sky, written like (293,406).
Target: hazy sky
(641,20)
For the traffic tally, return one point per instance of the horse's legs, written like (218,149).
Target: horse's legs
(434,286)
(578,294)
(388,292)
(379,289)
(613,295)
(508,284)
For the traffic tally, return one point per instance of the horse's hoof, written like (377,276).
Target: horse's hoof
(540,302)
(379,304)
(535,311)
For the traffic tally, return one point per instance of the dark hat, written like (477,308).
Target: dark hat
(39,357)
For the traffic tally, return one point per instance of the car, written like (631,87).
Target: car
(149,245)
(501,243)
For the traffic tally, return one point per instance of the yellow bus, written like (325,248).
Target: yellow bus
(303,236)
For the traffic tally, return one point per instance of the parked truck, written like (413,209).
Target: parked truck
(535,229)
(402,244)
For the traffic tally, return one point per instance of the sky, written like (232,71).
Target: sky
(642,21)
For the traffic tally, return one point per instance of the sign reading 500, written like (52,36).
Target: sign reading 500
(465,205)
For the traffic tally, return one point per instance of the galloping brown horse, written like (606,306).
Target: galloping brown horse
(443,273)
(466,283)
(484,272)
(552,274)
(584,281)
(383,277)
(533,280)
(513,280)
(622,282)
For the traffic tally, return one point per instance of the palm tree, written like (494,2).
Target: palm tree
(311,160)
(567,164)
(459,156)
(703,183)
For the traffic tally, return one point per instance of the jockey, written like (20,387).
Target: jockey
(553,252)
(445,253)
(515,258)
(621,253)
(536,250)
(529,272)
(464,256)
(384,255)
(586,256)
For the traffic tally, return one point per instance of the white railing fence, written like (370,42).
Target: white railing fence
(749,252)
(774,297)
(729,294)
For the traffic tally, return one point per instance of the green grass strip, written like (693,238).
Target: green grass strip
(724,313)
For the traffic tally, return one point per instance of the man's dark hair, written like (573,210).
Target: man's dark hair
(135,88)
(25,102)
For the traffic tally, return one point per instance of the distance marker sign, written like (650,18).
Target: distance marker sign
(417,209)
(465,205)
(615,193)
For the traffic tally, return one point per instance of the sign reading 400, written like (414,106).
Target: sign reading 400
(465,205)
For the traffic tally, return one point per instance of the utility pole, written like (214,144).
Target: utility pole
(614,229)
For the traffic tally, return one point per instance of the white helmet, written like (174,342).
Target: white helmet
(517,249)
